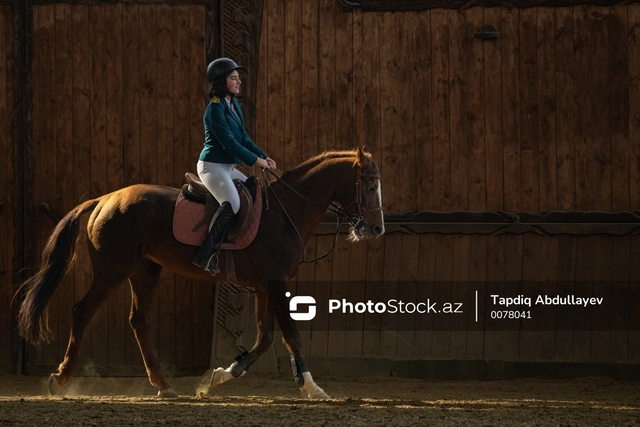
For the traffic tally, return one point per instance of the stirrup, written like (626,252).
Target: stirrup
(210,267)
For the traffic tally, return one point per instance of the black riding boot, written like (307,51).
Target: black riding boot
(205,256)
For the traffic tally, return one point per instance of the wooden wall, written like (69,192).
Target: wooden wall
(118,99)
(544,118)
(7,180)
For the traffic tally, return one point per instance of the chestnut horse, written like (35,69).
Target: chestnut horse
(129,237)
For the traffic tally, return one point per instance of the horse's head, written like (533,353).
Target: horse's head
(362,199)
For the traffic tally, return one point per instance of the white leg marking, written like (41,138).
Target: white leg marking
(311,388)
(380,201)
(54,387)
(168,393)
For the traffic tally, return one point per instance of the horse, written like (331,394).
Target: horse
(129,238)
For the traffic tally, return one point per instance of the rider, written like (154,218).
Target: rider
(226,143)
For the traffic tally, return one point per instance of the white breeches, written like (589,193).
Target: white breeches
(218,178)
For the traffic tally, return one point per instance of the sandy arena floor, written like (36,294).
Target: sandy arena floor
(258,400)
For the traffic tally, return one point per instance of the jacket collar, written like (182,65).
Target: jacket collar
(238,114)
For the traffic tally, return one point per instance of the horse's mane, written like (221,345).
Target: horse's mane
(319,158)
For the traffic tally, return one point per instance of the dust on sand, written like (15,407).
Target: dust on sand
(263,400)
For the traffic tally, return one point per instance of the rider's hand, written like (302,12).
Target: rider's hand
(262,163)
(271,162)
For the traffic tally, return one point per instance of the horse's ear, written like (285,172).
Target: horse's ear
(363,159)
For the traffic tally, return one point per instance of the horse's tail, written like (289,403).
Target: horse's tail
(57,257)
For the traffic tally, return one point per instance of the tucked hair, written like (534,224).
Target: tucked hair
(219,86)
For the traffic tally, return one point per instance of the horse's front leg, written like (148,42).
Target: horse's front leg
(279,304)
(265,323)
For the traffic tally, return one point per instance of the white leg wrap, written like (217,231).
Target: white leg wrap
(311,389)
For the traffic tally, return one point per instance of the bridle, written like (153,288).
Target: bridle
(356,222)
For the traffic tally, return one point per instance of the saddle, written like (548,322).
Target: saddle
(195,208)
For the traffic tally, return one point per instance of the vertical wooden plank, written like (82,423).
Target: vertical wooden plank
(407,174)
(327,75)
(275,43)
(392,273)
(118,310)
(356,292)
(602,288)
(390,136)
(601,132)
(336,339)
(309,91)
(496,285)
(426,282)
(547,108)
(164,135)
(372,128)
(583,39)
(462,281)
(510,116)
(98,127)
(322,291)
(408,291)
(634,288)
(582,322)
(634,103)
(513,275)
(343,84)
(46,157)
(459,248)
(477,167)
(633,17)
(357,252)
(131,138)
(565,122)
(529,110)
(545,349)
(422,105)
(309,64)
(148,114)
(7,234)
(619,105)
(375,275)
(441,325)
(440,110)
(493,110)
(183,161)
(531,279)
(458,123)
(567,263)
(546,322)
(292,84)
(619,59)
(81,151)
(600,150)
(64,153)
(202,291)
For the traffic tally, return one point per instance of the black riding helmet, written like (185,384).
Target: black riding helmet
(219,68)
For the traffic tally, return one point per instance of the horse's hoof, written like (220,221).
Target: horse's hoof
(219,376)
(318,393)
(54,386)
(167,393)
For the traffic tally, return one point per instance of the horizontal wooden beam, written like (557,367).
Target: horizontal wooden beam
(577,223)
(404,5)
(93,2)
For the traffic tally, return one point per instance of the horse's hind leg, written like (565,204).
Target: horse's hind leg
(265,322)
(280,306)
(83,311)
(144,289)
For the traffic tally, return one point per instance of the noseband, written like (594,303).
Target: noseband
(356,222)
